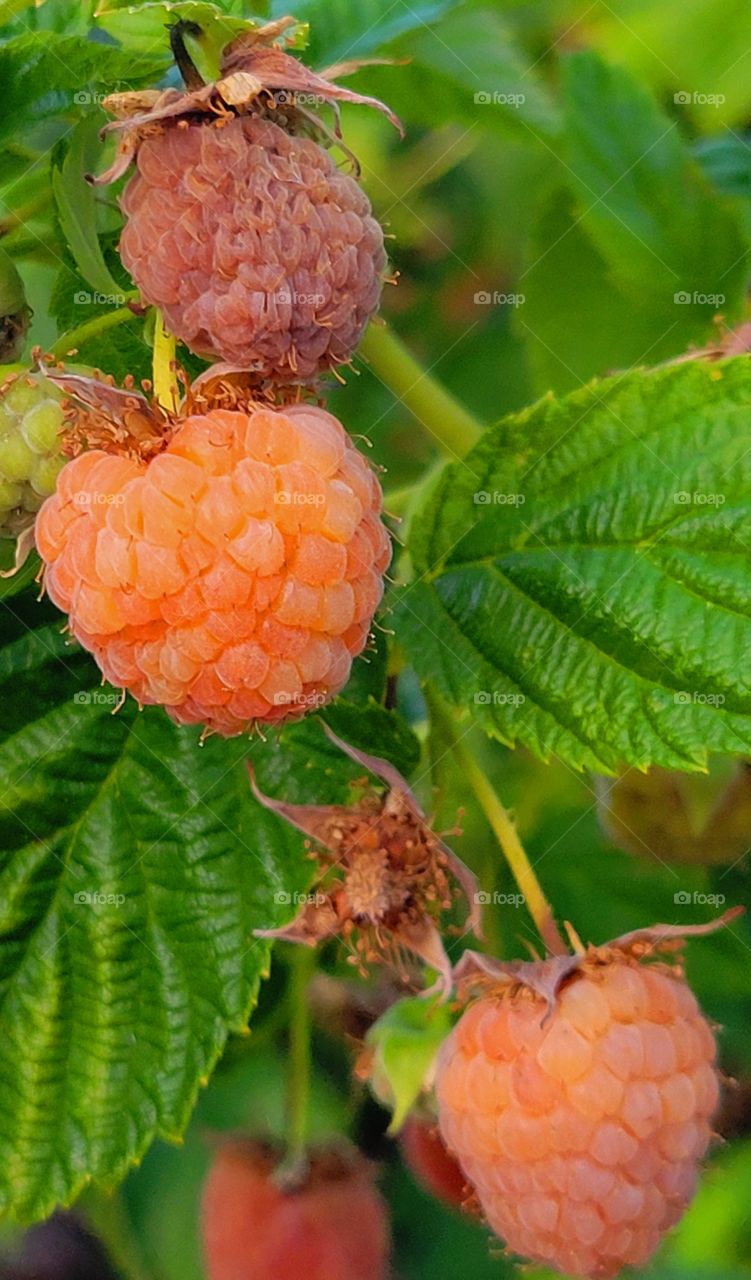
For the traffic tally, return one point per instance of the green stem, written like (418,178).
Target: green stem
(505,832)
(75,338)
(18,217)
(442,416)
(298,1080)
(108,1219)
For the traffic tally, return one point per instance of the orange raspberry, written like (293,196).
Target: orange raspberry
(581,1126)
(232,578)
(331,1225)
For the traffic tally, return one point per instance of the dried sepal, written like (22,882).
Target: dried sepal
(386,876)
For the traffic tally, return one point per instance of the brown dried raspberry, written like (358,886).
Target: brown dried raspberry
(240,227)
(392,876)
(577,1095)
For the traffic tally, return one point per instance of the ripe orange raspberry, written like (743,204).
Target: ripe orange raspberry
(232,578)
(431,1163)
(257,249)
(332,1225)
(581,1126)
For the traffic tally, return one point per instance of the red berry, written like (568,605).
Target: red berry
(234,576)
(256,247)
(332,1226)
(431,1163)
(581,1126)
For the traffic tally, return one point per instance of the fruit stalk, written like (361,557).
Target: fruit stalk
(75,338)
(442,416)
(298,1084)
(503,827)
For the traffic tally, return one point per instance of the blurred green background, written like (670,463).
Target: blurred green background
(573,196)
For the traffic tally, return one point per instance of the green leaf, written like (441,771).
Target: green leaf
(76,207)
(144,27)
(45,74)
(135,866)
(583,580)
(643,199)
(406,1040)
(340,30)
(468,68)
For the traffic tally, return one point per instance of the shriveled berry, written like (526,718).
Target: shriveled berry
(330,1225)
(256,247)
(581,1126)
(215,579)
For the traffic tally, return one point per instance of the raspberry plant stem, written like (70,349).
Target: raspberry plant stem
(441,415)
(298,1083)
(163,366)
(505,832)
(92,328)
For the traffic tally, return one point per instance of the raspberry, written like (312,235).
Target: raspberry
(581,1125)
(31,418)
(431,1163)
(257,249)
(331,1226)
(232,578)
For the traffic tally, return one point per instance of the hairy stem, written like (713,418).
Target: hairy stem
(440,414)
(75,338)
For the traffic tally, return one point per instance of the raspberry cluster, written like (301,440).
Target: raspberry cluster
(582,1128)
